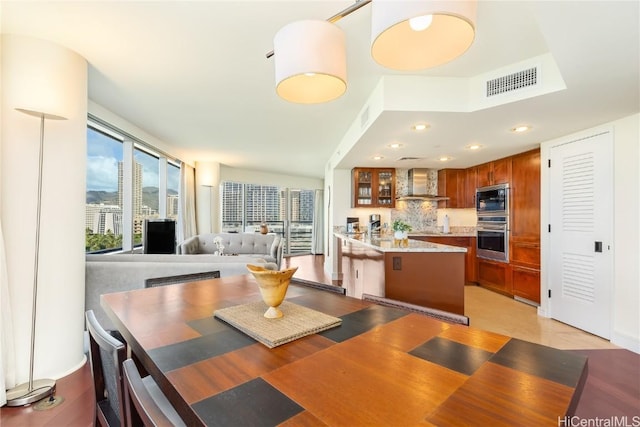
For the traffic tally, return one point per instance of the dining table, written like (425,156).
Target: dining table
(381,366)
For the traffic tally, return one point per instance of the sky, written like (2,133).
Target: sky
(103,155)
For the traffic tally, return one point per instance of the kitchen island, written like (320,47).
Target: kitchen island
(421,273)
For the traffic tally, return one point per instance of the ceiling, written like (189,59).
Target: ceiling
(195,75)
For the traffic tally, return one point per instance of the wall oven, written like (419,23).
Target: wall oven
(492,207)
(493,238)
(493,200)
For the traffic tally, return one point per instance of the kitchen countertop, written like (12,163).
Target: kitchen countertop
(463,232)
(388,244)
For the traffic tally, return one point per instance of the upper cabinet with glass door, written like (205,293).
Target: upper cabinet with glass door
(374,187)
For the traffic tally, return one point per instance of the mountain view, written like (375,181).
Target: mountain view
(149,197)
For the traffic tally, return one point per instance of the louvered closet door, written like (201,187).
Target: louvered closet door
(581,187)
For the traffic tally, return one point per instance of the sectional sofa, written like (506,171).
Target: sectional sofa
(264,246)
(124,272)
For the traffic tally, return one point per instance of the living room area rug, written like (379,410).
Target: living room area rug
(297,321)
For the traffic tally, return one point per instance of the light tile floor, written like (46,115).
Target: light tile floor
(497,313)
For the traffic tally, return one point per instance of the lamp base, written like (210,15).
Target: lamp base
(20,395)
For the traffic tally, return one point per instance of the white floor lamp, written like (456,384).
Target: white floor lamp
(34,390)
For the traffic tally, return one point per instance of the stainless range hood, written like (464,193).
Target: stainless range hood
(419,186)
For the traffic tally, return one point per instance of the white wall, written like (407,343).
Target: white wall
(625,329)
(228,173)
(122,124)
(626,298)
(42,76)
(338,203)
(208,197)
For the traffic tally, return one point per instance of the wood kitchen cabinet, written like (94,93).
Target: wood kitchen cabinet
(524,192)
(451,184)
(526,283)
(495,275)
(470,273)
(470,185)
(496,172)
(374,187)
(524,223)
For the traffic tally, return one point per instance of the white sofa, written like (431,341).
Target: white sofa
(264,246)
(124,272)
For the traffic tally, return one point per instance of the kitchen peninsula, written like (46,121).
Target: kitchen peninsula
(422,273)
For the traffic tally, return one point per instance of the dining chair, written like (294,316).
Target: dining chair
(321,286)
(431,312)
(181,278)
(106,354)
(145,404)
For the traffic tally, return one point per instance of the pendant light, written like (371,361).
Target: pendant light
(419,34)
(310,62)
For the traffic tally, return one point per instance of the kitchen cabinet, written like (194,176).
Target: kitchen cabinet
(374,187)
(451,184)
(524,223)
(470,185)
(470,273)
(432,278)
(525,197)
(495,275)
(526,283)
(496,172)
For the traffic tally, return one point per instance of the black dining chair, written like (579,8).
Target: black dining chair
(145,404)
(106,354)
(181,278)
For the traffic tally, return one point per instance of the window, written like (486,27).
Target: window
(114,193)
(173,186)
(145,191)
(103,224)
(288,212)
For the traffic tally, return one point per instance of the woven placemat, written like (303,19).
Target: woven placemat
(296,322)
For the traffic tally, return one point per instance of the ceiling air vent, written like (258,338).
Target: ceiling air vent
(511,82)
(408,158)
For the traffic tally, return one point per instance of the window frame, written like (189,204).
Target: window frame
(130,144)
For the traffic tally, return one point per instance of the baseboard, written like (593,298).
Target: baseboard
(543,312)
(526,301)
(625,341)
(71,370)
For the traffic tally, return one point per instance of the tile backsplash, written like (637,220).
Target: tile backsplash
(422,215)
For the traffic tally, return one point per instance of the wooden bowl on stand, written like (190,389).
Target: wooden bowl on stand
(273,285)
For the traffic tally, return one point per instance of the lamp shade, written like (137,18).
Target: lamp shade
(310,62)
(396,44)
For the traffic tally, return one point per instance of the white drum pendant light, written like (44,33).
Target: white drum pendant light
(413,35)
(310,61)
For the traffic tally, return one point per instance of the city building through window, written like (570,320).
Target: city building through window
(288,212)
(122,193)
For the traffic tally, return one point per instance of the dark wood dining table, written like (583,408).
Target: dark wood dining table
(382,366)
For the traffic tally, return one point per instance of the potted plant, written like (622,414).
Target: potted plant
(400,229)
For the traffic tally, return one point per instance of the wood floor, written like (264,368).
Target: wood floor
(612,388)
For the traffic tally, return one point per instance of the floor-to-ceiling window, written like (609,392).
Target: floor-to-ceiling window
(288,212)
(121,194)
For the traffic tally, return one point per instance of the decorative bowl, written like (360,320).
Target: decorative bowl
(273,285)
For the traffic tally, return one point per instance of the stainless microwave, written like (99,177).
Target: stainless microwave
(493,200)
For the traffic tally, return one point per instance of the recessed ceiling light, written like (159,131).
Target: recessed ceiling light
(378,157)
(520,129)
(444,158)
(474,146)
(395,145)
(420,126)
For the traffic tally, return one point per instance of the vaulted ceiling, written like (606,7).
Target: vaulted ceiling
(195,75)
